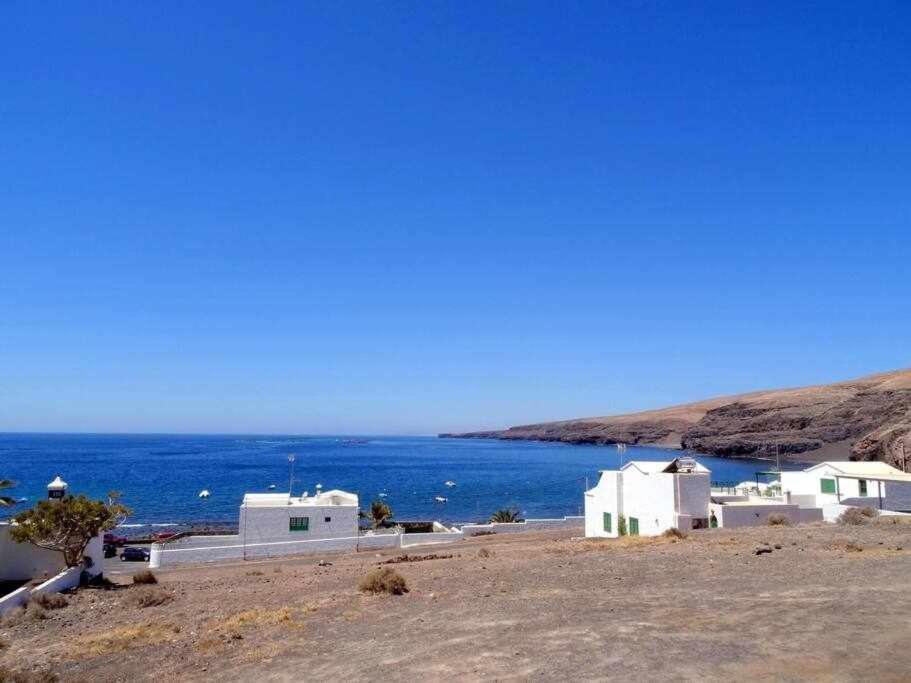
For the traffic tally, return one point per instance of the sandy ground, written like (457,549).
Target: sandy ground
(828,603)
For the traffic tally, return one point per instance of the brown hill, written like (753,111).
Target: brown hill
(866,419)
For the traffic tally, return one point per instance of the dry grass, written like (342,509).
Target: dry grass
(147,596)
(484,553)
(15,676)
(778,519)
(255,572)
(384,580)
(587,545)
(145,577)
(122,638)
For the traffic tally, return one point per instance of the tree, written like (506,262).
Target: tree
(67,525)
(6,501)
(621,525)
(505,516)
(379,512)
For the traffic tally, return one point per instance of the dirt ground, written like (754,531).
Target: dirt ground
(827,603)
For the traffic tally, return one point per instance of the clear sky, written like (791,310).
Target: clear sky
(389,217)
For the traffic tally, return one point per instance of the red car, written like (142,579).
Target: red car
(111,539)
(164,535)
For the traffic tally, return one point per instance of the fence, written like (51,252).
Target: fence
(68,578)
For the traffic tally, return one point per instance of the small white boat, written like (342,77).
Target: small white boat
(441,499)
(383,495)
(450,483)
(271,487)
(204,493)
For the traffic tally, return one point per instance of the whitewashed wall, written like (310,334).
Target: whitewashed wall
(271,523)
(23,561)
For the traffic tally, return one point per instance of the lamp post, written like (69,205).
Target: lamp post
(291,474)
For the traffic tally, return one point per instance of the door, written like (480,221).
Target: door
(633,526)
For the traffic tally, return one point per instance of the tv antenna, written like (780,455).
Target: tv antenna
(291,458)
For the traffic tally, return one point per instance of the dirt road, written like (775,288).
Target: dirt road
(827,603)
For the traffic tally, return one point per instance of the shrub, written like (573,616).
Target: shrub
(384,580)
(674,532)
(853,517)
(778,519)
(144,577)
(484,553)
(31,611)
(50,601)
(621,525)
(505,516)
(148,597)
(869,512)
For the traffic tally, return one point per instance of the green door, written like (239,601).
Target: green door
(633,526)
(607,522)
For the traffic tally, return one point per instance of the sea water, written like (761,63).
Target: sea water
(160,476)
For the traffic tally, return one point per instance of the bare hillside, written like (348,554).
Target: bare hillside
(867,418)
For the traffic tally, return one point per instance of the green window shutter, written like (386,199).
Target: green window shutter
(862,485)
(827,485)
(633,526)
(299,524)
(607,522)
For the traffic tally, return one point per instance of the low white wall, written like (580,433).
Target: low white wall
(733,516)
(65,580)
(430,538)
(528,525)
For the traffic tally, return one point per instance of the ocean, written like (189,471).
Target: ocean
(160,476)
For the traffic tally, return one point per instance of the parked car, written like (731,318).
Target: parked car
(112,539)
(110,550)
(134,554)
(164,535)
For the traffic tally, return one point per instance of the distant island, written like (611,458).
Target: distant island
(862,419)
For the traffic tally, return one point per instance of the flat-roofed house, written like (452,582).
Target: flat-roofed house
(283,517)
(855,483)
(651,497)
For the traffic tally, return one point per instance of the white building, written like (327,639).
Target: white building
(282,517)
(651,497)
(854,483)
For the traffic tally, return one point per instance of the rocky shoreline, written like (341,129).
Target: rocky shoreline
(863,419)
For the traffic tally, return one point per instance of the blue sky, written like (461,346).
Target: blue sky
(410,217)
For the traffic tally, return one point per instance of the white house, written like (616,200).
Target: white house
(282,517)
(651,496)
(858,483)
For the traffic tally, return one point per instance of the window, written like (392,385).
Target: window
(327,519)
(299,524)
(862,487)
(607,522)
(633,526)
(827,485)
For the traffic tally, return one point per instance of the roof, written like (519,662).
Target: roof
(869,469)
(659,466)
(335,497)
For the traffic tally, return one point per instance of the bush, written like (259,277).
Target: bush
(384,580)
(856,516)
(621,525)
(484,553)
(50,601)
(31,611)
(144,577)
(778,519)
(147,597)
(674,532)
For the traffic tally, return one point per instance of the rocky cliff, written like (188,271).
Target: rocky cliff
(865,419)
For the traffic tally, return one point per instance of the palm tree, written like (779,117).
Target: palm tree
(505,516)
(379,512)
(6,501)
